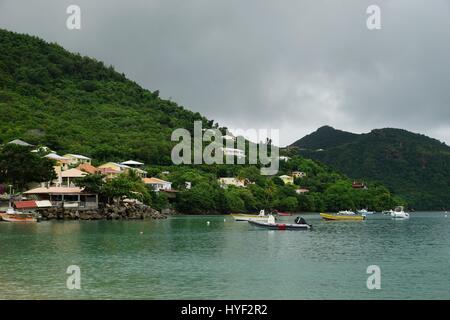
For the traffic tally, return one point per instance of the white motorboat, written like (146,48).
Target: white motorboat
(364,212)
(262,216)
(399,213)
(388,212)
(346,212)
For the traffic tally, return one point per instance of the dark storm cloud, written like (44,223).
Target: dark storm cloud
(293,65)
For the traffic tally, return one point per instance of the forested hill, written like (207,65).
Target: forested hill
(324,138)
(413,166)
(72,103)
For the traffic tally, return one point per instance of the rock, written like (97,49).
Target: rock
(110,212)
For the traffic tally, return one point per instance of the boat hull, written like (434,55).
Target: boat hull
(400,216)
(18,217)
(280,226)
(248,217)
(341,217)
(284,214)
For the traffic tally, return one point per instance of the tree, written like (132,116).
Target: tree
(20,167)
(288,204)
(127,185)
(91,183)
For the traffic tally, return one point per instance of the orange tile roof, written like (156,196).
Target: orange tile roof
(153,180)
(89,168)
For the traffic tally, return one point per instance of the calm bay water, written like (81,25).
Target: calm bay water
(184,258)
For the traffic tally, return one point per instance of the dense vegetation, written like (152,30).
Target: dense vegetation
(75,104)
(19,167)
(413,166)
(325,137)
(328,190)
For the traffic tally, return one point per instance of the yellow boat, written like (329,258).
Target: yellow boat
(330,216)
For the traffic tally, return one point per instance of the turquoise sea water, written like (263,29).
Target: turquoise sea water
(184,258)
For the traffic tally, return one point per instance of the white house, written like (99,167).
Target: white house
(225,182)
(77,158)
(20,143)
(132,163)
(302,191)
(233,152)
(283,158)
(157,184)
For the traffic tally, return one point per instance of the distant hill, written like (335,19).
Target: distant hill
(413,166)
(76,104)
(324,138)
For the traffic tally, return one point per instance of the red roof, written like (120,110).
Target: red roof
(29,204)
(107,170)
(86,167)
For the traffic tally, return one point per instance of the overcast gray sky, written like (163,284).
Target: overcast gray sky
(290,64)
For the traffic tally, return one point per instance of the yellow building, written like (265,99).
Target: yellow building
(287,179)
(77,158)
(120,168)
(112,165)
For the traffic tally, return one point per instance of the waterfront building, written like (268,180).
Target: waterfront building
(67,197)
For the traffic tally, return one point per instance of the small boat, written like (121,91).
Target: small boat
(399,213)
(254,217)
(271,224)
(388,212)
(284,214)
(346,212)
(364,211)
(14,216)
(342,217)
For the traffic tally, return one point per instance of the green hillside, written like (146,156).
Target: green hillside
(413,166)
(72,103)
(76,104)
(324,138)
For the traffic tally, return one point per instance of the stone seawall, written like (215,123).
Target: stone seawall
(110,212)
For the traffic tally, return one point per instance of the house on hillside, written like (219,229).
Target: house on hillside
(358,185)
(20,143)
(71,174)
(231,181)
(115,166)
(287,179)
(67,197)
(123,168)
(302,191)
(88,168)
(233,152)
(109,173)
(298,174)
(43,149)
(284,158)
(132,164)
(61,162)
(157,184)
(77,158)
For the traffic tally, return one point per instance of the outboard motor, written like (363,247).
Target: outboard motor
(300,220)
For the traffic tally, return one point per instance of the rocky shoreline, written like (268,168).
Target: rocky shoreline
(109,212)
